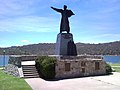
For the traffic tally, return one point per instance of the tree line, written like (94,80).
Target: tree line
(111,48)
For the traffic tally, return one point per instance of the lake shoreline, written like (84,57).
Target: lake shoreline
(107,58)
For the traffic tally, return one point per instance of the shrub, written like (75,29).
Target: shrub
(46,67)
(108,69)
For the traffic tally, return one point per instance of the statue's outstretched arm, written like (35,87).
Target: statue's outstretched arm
(58,10)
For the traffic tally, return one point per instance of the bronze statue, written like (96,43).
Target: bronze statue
(64,26)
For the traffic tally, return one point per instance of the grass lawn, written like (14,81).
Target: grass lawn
(8,82)
(116,67)
(1,66)
(115,64)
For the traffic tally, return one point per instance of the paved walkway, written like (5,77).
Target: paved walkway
(108,82)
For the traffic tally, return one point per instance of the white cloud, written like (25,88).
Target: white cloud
(4,46)
(17,7)
(28,24)
(24,41)
(108,36)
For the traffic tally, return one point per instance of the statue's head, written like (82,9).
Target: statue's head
(65,7)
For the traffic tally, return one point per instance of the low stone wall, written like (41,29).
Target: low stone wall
(15,62)
(17,59)
(66,66)
(12,70)
(79,66)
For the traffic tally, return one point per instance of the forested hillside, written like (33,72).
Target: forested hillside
(112,48)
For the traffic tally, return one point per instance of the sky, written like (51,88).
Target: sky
(24,22)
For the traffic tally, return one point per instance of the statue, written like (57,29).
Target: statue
(64,26)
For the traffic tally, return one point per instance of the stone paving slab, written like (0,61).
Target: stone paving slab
(108,82)
(111,79)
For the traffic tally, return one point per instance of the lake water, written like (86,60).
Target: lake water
(2,59)
(110,59)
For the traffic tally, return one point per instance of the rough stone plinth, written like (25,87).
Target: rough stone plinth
(62,44)
(84,65)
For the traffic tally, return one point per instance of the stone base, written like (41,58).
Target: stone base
(78,66)
(65,45)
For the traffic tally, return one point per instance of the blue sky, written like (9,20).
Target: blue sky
(25,22)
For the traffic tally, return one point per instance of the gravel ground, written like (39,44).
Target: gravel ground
(107,82)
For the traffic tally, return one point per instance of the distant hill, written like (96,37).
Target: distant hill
(111,48)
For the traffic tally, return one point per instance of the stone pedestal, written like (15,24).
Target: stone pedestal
(64,45)
(77,66)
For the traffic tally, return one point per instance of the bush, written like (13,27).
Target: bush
(46,67)
(108,69)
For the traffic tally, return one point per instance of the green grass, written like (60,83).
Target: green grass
(115,64)
(8,82)
(1,66)
(116,67)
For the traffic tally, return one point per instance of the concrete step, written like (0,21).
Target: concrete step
(29,67)
(31,76)
(30,71)
(27,62)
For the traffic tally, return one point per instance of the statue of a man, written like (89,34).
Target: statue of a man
(64,26)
